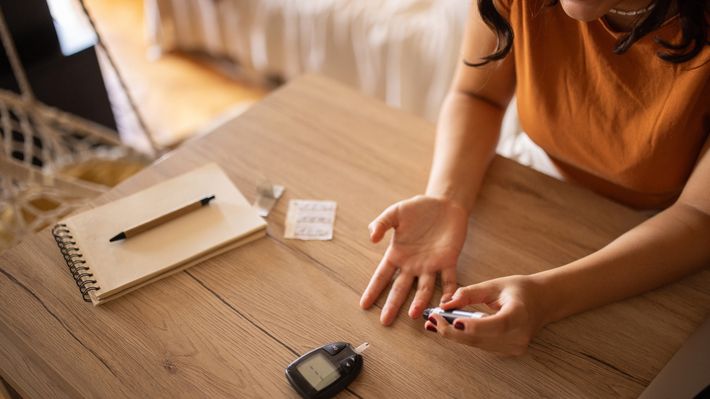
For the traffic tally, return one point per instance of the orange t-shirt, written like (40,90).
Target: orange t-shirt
(628,126)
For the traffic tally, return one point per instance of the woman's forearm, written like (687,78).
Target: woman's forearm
(466,138)
(665,248)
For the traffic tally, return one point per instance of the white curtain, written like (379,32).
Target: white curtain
(402,51)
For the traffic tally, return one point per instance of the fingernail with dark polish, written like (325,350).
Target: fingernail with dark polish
(432,320)
(431,328)
(458,325)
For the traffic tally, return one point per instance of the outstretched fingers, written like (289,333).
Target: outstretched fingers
(448,283)
(425,290)
(379,280)
(398,294)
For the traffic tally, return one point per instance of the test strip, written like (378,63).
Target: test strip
(361,348)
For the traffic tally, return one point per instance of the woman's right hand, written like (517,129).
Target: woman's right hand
(429,233)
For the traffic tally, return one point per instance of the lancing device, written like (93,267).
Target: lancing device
(451,315)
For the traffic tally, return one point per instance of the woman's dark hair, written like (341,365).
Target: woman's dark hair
(691,16)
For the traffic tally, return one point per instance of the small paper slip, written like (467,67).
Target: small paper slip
(310,220)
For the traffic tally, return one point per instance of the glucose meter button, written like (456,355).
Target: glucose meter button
(348,362)
(334,349)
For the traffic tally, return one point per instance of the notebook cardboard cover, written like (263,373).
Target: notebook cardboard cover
(227,222)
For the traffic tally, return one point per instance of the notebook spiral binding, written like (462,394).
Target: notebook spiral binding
(74,259)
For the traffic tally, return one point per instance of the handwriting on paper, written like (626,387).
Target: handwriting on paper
(310,220)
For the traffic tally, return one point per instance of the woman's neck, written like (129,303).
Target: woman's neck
(624,23)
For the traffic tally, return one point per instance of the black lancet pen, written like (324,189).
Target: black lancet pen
(183,210)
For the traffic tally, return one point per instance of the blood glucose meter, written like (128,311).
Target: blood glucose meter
(325,371)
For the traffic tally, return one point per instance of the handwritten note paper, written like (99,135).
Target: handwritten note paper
(310,220)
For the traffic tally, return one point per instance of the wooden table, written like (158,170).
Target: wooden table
(228,327)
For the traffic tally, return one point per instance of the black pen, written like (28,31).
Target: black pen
(183,210)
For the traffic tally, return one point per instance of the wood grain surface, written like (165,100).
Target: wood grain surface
(228,327)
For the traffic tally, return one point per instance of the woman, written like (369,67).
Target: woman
(617,92)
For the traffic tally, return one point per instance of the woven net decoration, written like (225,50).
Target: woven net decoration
(41,150)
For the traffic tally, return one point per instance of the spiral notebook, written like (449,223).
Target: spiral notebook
(106,270)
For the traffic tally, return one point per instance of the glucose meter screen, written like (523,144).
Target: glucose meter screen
(318,371)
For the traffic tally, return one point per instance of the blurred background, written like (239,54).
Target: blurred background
(91,91)
(187,62)
(401,51)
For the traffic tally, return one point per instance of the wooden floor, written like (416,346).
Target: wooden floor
(176,95)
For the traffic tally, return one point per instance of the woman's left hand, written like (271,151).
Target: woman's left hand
(520,315)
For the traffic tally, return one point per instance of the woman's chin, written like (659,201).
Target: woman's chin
(582,10)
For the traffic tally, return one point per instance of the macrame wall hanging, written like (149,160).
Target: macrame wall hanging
(40,146)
